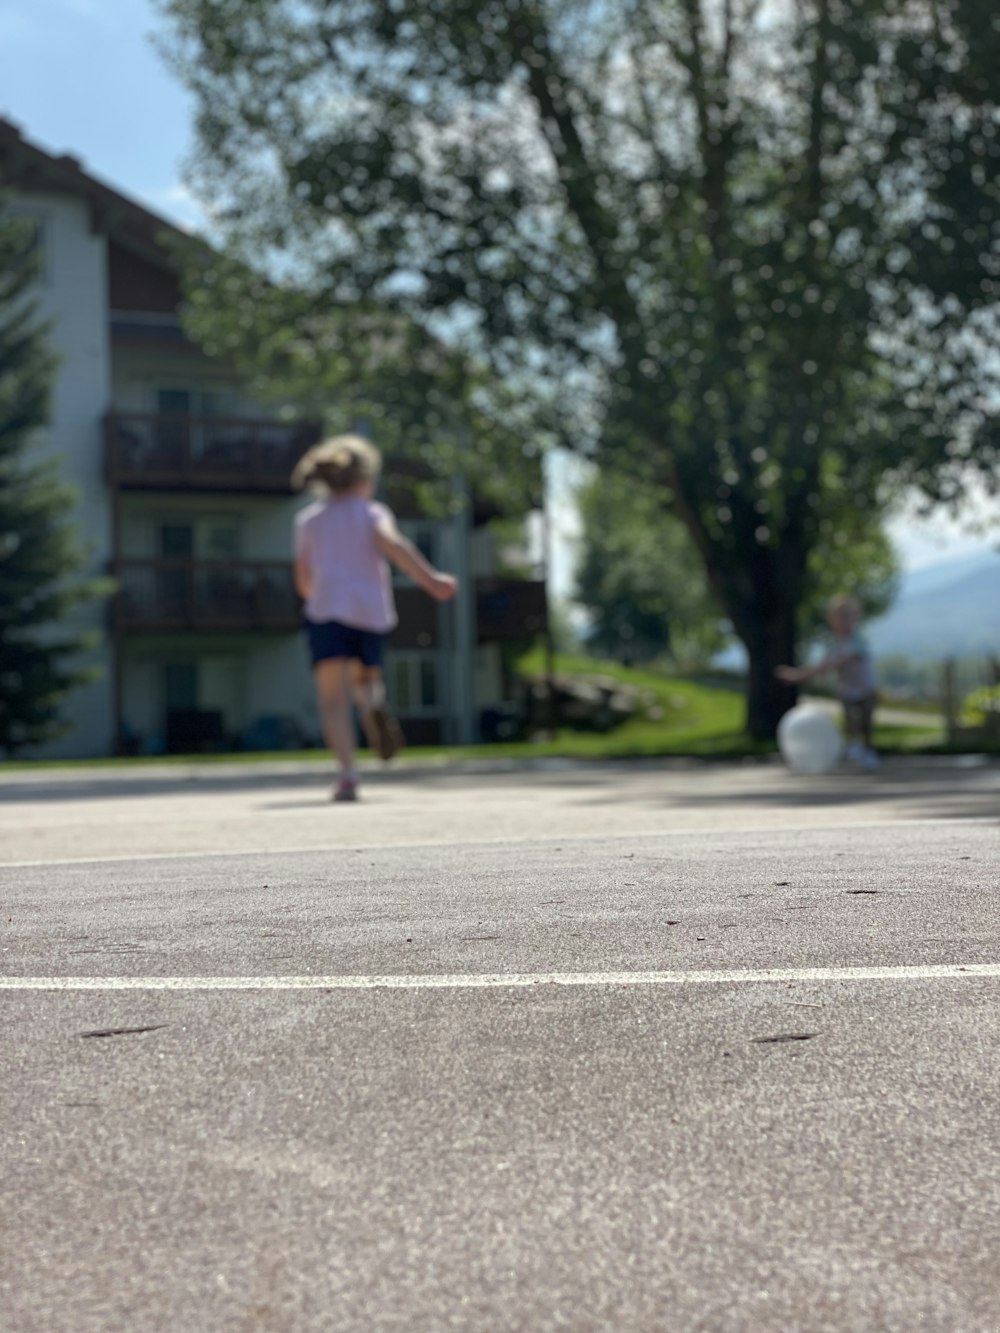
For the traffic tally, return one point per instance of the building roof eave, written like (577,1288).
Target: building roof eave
(25,165)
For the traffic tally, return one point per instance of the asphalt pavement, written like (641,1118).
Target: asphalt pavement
(575,1047)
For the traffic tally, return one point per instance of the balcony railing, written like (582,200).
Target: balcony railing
(175,452)
(176,594)
(418,623)
(508,608)
(183,594)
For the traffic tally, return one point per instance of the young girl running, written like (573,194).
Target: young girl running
(342,544)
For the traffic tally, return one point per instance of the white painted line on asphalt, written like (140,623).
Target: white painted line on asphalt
(702,834)
(509,980)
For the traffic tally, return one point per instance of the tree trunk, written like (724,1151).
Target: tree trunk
(770,642)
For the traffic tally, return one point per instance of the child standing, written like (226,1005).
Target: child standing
(850,658)
(342,544)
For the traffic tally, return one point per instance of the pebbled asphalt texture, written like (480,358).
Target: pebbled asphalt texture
(797,1154)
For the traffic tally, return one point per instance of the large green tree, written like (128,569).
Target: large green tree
(639,575)
(746,252)
(40,555)
(640,578)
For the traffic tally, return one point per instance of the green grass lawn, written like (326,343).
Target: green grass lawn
(894,738)
(684,717)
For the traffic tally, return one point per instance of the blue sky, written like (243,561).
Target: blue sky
(83,77)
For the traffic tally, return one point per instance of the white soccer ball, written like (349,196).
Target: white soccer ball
(809,740)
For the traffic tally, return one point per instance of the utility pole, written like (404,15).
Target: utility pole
(463,620)
(551,693)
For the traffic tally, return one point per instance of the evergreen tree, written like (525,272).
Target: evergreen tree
(40,556)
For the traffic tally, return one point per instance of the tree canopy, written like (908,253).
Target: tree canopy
(639,576)
(640,579)
(746,252)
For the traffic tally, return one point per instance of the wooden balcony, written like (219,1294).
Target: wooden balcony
(218,595)
(206,595)
(418,625)
(150,451)
(509,608)
(506,608)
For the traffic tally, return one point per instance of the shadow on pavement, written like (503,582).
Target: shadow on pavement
(583,773)
(948,787)
(966,788)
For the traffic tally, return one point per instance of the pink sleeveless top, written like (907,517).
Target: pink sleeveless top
(351,581)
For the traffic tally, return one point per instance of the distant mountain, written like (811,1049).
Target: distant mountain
(948,609)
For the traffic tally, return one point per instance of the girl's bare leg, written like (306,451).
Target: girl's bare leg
(368,687)
(383,733)
(333,696)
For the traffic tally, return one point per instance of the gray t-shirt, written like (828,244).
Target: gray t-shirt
(851,658)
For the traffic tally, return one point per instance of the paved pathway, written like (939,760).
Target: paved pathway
(210,808)
(269,1064)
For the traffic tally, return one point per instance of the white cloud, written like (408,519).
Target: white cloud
(180,205)
(922,541)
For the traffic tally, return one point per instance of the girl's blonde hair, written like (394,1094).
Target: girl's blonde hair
(338,465)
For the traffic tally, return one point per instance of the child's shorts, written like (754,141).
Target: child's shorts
(858,713)
(330,639)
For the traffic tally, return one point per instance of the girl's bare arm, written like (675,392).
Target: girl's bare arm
(405,556)
(834,659)
(302,577)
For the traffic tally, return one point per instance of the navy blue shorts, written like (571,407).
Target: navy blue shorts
(329,639)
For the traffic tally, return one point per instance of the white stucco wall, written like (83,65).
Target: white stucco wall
(73,297)
(279,683)
(243,677)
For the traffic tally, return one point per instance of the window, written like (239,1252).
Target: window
(221,540)
(171,402)
(413,683)
(208,537)
(180,685)
(428,682)
(221,403)
(177,540)
(398,685)
(192,401)
(425,544)
(424,537)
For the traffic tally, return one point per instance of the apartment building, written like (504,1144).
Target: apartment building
(184,496)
